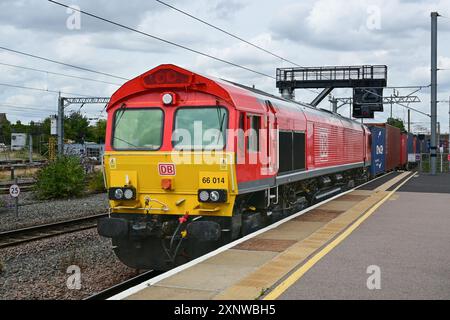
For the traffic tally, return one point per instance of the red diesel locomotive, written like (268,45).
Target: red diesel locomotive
(193,162)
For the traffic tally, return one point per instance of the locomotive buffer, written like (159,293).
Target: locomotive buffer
(367,82)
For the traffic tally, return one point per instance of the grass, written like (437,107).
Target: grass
(21,155)
(426,165)
(96,183)
(5,175)
(63,178)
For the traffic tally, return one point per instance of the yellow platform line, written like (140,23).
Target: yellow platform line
(296,275)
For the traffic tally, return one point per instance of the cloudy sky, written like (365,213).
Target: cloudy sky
(307,32)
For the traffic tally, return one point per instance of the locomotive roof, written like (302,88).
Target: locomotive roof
(220,87)
(302,104)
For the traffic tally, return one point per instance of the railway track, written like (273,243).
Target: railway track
(108,293)
(18,236)
(24,186)
(112,291)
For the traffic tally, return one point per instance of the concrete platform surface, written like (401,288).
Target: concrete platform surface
(248,269)
(406,242)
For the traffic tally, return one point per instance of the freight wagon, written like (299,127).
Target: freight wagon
(392,146)
(378,150)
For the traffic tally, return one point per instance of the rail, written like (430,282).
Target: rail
(112,291)
(19,236)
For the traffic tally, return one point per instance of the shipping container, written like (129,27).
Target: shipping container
(392,146)
(403,150)
(411,148)
(417,145)
(378,150)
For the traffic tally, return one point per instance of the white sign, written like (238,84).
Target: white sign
(14,191)
(53,126)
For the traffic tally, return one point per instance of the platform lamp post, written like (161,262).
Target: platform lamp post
(433,99)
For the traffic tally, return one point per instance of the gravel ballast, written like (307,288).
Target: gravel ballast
(38,270)
(33,212)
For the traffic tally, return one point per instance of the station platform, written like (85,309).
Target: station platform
(398,223)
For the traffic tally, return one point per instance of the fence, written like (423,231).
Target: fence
(442,162)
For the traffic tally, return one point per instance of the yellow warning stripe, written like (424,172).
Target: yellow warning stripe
(296,275)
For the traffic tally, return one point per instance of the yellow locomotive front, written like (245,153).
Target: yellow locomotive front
(169,171)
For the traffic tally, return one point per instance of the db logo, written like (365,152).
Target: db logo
(166,169)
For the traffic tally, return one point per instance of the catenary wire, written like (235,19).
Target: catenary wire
(56,73)
(164,40)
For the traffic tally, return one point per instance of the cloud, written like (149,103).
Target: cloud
(354,25)
(226,9)
(310,33)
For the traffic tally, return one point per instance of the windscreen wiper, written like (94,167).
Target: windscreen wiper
(127,142)
(121,109)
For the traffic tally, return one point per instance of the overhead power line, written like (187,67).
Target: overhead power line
(226,32)
(25,108)
(40,89)
(233,35)
(163,40)
(62,63)
(55,73)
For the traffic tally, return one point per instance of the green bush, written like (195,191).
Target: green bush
(62,178)
(96,182)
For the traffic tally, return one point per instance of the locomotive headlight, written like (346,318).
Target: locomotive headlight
(215,196)
(118,194)
(212,195)
(203,196)
(128,194)
(167,98)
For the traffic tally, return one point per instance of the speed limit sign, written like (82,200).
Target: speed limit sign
(14,191)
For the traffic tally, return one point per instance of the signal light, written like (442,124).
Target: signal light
(166,77)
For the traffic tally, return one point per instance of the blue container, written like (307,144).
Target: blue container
(410,144)
(418,144)
(378,150)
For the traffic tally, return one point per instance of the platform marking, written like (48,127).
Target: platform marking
(294,277)
(152,281)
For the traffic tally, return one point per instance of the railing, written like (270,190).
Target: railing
(332,73)
(442,163)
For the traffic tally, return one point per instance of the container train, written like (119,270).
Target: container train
(193,162)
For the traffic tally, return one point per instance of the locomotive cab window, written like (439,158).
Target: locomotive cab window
(200,128)
(253,134)
(137,128)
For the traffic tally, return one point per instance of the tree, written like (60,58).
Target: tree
(5,131)
(397,123)
(76,127)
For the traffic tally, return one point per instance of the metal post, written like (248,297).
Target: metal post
(60,125)
(409,120)
(433,99)
(334,103)
(12,173)
(16,201)
(31,148)
(438,136)
(288,93)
